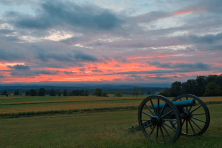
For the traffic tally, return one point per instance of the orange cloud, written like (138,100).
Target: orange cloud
(182,12)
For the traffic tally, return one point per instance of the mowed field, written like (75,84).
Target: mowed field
(48,103)
(102,129)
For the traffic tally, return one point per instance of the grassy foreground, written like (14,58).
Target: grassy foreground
(103,129)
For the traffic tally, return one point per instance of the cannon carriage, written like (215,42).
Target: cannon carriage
(163,121)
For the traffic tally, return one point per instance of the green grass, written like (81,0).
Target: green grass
(101,129)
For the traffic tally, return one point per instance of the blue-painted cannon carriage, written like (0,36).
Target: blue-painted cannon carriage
(164,121)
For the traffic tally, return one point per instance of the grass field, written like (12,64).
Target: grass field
(102,129)
(34,104)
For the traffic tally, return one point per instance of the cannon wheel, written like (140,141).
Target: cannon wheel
(155,124)
(197,117)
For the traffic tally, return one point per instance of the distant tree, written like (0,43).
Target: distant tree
(4,93)
(176,89)
(165,92)
(16,92)
(65,93)
(97,92)
(213,89)
(52,92)
(59,93)
(33,92)
(27,93)
(136,91)
(41,92)
(105,95)
(70,93)
(201,85)
(86,93)
(118,94)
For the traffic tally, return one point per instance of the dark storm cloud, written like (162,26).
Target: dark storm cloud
(7,55)
(19,67)
(198,65)
(57,13)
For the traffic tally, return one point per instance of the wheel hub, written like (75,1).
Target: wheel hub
(156,120)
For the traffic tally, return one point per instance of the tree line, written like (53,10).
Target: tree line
(52,92)
(210,85)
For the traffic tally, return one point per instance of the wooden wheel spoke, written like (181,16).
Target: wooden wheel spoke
(199,114)
(167,114)
(145,119)
(162,134)
(169,126)
(152,130)
(167,132)
(198,119)
(147,126)
(147,114)
(192,127)
(196,124)
(169,120)
(153,106)
(189,109)
(157,129)
(158,106)
(186,127)
(196,108)
(149,110)
(161,112)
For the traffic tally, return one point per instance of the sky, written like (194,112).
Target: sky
(109,42)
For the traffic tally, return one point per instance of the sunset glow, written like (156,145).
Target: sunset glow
(109,42)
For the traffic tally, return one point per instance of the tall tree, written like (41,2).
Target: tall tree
(16,92)
(65,92)
(59,93)
(136,91)
(52,92)
(4,93)
(41,92)
(33,92)
(176,88)
(165,92)
(213,89)
(201,85)
(27,93)
(118,94)
(97,92)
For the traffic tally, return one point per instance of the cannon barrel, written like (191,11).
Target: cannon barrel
(183,103)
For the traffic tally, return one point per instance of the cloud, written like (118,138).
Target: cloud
(33,73)
(69,57)
(198,65)
(84,57)
(6,31)
(56,13)
(82,69)
(19,67)
(97,71)
(1,76)
(55,56)
(7,55)
(208,38)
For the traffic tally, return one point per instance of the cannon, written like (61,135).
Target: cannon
(163,121)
